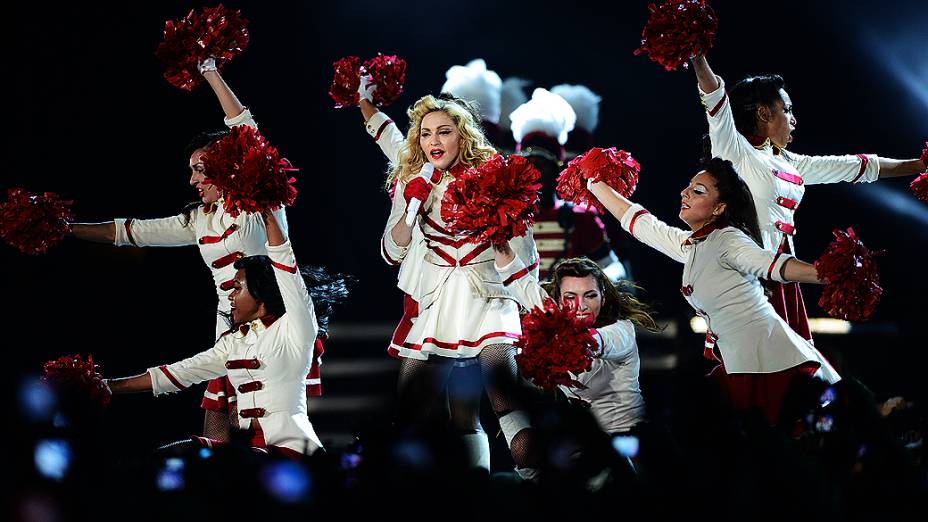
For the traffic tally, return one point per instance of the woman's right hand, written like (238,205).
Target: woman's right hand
(419,188)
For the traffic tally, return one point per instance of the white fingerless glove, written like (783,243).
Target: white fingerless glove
(366,88)
(207,65)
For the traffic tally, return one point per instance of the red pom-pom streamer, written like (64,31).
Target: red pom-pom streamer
(249,172)
(494,202)
(852,283)
(77,381)
(919,185)
(214,32)
(33,223)
(677,31)
(616,168)
(389,73)
(345,82)
(555,346)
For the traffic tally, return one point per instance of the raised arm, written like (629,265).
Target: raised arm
(378,125)
(641,224)
(95,232)
(708,81)
(235,113)
(300,316)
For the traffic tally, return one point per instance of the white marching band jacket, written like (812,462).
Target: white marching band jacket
(721,268)
(265,360)
(612,388)
(776,177)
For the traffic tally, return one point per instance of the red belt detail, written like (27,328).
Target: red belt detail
(718,106)
(383,126)
(129,232)
(631,225)
(227,285)
(686,290)
(479,249)
(788,203)
(285,268)
(247,364)
(446,240)
(209,240)
(225,261)
(252,413)
(864,161)
(250,386)
(786,176)
(709,350)
(520,273)
(786,228)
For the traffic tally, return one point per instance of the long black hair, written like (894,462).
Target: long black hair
(734,192)
(326,289)
(749,94)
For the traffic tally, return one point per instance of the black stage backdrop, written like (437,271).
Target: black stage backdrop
(89,116)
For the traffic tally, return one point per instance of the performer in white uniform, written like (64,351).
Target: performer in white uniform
(722,265)
(463,400)
(611,384)
(463,309)
(751,126)
(266,356)
(220,238)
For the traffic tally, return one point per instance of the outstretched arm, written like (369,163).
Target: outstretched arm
(893,168)
(708,82)
(135,384)
(96,232)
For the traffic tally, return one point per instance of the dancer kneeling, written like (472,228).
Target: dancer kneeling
(266,355)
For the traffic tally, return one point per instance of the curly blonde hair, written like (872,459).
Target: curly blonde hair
(475,148)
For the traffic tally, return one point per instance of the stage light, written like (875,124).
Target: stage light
(820,325)
(286,481)
(171,476)
(626,445)
(53,458)
(36,400)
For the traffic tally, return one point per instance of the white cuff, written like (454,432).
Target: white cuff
(374,124)
(244,118)
(122,238)
(776,267)
(282,253)
(629,215)
(505,272)
(711,99)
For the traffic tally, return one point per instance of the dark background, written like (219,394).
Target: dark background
(89,116)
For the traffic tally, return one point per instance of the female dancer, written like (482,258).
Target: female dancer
(722,263)
(751,126)
(464,312)
(611,384)
(463,401)
(221,239)
(265,356)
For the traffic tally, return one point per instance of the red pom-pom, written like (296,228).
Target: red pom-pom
(32,224)
(677,31)
(389,73)
(852,283)
(77,381)
(345,82)
(919,187)
(494,202)
(555,346)
(214,32)
(616,168)
(249,172)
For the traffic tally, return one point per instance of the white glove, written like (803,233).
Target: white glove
(207,65)
(366,88)
(424,181)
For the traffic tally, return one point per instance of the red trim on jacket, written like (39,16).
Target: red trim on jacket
(174,381)
(864,161)
(520,273)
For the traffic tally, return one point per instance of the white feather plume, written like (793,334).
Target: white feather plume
(584,102)
(474,82)
(545,112)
